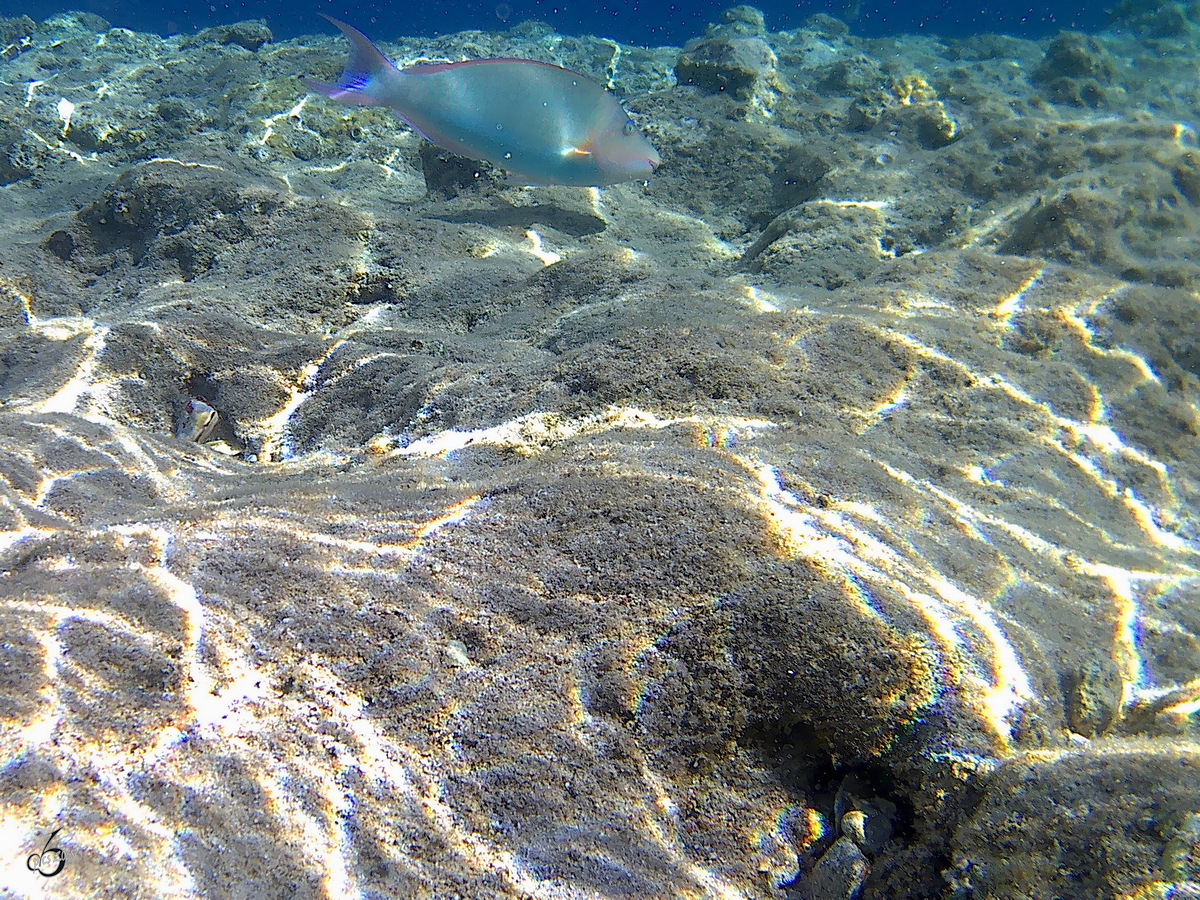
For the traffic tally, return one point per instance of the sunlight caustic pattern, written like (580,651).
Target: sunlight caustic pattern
(226,723)
(314,715)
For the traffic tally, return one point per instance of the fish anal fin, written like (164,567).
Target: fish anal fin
(344,93)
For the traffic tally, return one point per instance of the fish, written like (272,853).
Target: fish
(542,123)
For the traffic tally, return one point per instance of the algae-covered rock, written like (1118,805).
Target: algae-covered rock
(18,159)
(741,21)
(1075,55)
(838,875)
(1185,174)
(798,174)
(1113,820)
(1115,222)
(1094,694)
(1159,18)
(1181,856)
(1075,70)
(249,35)
(823,245)
(14,35)
(736,65)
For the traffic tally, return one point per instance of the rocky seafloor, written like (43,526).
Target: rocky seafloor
(816,520)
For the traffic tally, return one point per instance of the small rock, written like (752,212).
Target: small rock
(867,822)
(851,788)
(726,64)
(866,111)
(197,423)
(920,107)
(456,653)
(447,174)
(854,74)
(250,35)
(1074,55)
(1094,697)
(933,125)
(1077,92)
(1158,19)
(1075,70)
(797,176)
(854,826)
(172,109)
(20,156)
(838,875)
(869,827)
(1185,175)
(61,244)
(1071,226)
(745,21)
(826,26)
(69,21)
(1181,857)
(12,31)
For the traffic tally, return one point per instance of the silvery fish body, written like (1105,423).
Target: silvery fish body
(543,123)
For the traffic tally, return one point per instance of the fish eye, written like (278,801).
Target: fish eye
(628,129)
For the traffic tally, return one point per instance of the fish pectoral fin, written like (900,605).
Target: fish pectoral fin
(577,152)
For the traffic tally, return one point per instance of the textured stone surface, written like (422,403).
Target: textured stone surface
(634,543)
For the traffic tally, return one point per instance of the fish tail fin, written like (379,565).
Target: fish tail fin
(359,83)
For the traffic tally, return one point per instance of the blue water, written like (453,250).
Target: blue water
(650,22)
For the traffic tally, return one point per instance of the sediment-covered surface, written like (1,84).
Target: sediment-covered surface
(815,520)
